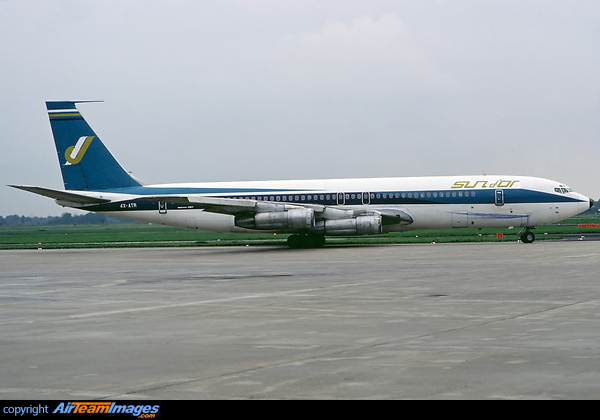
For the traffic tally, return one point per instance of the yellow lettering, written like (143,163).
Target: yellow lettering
(460,184)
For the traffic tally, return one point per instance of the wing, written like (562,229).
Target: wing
(291,216)
(232,206)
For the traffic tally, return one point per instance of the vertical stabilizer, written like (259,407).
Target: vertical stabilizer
(85,163)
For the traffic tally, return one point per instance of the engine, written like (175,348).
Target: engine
(360,225)
(293,219)
(303,219)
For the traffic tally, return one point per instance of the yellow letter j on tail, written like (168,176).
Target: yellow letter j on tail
(74,154)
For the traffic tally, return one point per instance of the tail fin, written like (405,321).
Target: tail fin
(85,162)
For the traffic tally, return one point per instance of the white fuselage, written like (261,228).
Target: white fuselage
(432,202)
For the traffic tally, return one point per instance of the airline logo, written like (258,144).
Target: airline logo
(501,183)
(74,154)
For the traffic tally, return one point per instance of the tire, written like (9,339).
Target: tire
(315,241)
(527,237)
(305,241)
(295,241)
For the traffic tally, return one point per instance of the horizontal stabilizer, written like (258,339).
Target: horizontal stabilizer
(63,195)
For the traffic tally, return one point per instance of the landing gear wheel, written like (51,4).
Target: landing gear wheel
(527,237)
(315,241)
(295,241)
(305,241)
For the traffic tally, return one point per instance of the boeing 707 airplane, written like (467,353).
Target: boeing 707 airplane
(309,210)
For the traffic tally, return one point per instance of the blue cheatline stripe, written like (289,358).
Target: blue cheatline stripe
(514,196)
(481,197)
(141,190)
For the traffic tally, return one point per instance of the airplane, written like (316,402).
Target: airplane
(309,210)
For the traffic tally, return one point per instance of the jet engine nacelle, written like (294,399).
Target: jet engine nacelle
(293,219)
(360,225)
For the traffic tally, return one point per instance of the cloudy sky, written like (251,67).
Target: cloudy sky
(295,89)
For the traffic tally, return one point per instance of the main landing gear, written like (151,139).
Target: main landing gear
(527,236)
(305,241)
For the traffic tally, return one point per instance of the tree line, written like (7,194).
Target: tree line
(64,219)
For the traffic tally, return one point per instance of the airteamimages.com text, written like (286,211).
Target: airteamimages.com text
(142,411)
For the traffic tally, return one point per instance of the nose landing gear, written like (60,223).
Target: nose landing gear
(527,236)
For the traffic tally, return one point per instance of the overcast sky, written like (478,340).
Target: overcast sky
(291,89)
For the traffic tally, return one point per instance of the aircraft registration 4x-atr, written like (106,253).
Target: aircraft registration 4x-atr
(308,209)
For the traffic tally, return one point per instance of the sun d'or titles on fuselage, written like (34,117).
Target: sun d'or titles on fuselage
(484,184)
(309,210)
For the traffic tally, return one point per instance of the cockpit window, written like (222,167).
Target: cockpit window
(563,189)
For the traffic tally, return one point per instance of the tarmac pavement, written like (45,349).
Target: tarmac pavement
(434,321)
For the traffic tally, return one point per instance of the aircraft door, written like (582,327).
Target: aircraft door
(162,207)
(499,197)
